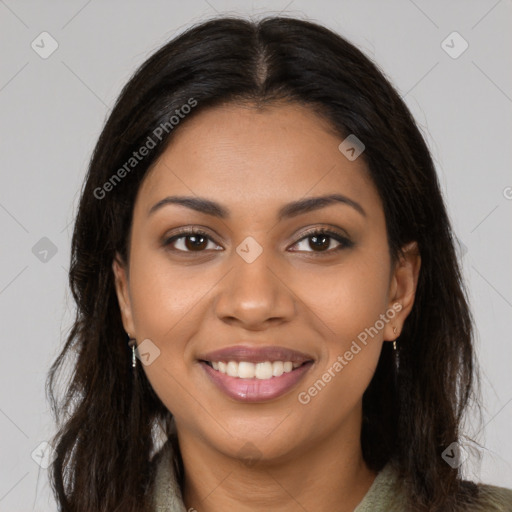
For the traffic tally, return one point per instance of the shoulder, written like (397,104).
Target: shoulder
(493,499)
(387,494)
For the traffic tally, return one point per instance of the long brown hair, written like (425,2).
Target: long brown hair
(107,416)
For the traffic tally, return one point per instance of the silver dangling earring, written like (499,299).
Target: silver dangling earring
(132,343)
(395,351)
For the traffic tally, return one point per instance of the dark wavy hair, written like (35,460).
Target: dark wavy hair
(107,417)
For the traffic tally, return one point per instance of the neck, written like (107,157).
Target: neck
(328,475)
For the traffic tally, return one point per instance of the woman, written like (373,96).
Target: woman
(270,310)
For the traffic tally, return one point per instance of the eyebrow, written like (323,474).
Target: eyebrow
(208,207)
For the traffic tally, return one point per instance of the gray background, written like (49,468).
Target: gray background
(52,113)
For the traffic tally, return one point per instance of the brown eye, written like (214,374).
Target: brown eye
(191,241)
(322,241)
(195,242)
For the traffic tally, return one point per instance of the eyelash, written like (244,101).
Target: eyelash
(344,242)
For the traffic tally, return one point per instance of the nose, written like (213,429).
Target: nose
(254,295)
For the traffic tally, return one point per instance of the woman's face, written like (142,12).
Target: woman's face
(257,278)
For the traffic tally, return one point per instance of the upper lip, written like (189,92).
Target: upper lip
(256,354)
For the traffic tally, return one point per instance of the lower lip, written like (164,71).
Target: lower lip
(256,390)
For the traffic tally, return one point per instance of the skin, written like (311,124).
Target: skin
(254,161)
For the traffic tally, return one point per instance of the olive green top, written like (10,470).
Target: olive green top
(384,495)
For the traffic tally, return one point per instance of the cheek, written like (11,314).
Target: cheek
(165,309)
(164,296)
(350,303)
(348,297)
(336,390)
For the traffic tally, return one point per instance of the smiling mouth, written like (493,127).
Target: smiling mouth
(264,370)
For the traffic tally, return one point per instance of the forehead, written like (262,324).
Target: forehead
(254,158)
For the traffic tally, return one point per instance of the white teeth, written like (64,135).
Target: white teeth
(264,370)
(232,369)
(277,368)
(248,370)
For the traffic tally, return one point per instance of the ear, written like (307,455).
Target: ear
(123,294)
(402,289)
